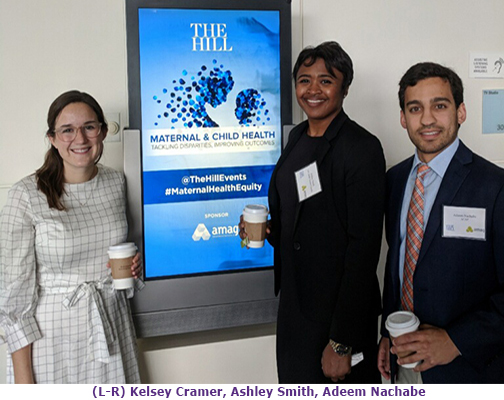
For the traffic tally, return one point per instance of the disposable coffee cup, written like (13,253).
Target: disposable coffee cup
(121,258)
(255,217)
(398,324)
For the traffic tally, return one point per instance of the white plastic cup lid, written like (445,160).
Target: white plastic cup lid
(122,250)
(402,320)
(255,213)
(256,210)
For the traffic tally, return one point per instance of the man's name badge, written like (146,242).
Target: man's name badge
(308,182)
(464,222)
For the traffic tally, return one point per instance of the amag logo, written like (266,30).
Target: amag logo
(223,231)
(201,232)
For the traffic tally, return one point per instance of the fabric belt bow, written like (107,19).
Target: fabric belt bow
(101,334)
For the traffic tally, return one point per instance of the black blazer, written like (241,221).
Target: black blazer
(337,234)
(458,283)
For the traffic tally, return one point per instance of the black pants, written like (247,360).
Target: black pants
(300,343)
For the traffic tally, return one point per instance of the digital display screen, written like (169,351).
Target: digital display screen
(211,134)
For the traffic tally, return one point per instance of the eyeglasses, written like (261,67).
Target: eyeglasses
(69,133)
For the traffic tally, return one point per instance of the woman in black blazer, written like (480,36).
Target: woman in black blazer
(326,200)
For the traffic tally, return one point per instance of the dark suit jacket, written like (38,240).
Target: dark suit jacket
(337,234)
(458,283)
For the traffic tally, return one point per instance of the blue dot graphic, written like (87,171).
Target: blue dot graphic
(209,87)
(249,102)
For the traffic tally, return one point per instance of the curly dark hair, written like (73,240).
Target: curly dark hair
(334,58)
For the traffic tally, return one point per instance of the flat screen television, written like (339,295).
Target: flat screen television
(209,96)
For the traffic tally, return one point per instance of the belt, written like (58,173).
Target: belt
(100,332)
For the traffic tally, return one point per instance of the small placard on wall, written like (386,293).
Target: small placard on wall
(493,111)
(486,65)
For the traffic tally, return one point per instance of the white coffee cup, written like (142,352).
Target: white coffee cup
(255,217)
(398,324)
(121,258)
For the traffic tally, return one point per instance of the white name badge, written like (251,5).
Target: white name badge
(308,182)
(464,222)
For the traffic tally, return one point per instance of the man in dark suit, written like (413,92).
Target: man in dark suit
(445,231)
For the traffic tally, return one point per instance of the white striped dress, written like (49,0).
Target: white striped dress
(55,289)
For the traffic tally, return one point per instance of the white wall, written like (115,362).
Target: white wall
(385,37)
(50,46)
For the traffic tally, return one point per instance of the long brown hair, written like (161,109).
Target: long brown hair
(50,176)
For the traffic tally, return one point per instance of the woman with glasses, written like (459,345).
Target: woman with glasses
(63,320)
